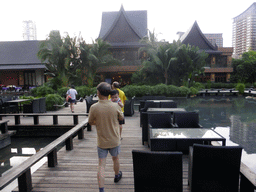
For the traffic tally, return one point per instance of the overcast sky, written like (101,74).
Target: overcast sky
(166,17)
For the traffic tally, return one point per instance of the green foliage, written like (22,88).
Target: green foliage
(42,91)
(244,69)
(208,84)
(198,86)
(160,89)
(62,91)
(169,63)
(53,99)
(83,91)
(27,97)
(240,87)
(54,83)
(193,91)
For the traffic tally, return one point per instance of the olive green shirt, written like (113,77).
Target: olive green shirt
(105,115)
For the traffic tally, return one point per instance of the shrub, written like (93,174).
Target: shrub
(240,87)
(27,97)
(53,99)
(82,91)
(184,91)
(198,86)
(42,91)
(193,91)
(62,91)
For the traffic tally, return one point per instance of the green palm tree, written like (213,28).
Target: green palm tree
(54,52)
(98,56)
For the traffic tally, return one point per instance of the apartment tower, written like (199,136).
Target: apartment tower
(244,31)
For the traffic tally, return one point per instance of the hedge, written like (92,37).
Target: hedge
(160,89)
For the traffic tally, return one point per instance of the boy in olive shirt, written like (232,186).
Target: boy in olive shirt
(106,116)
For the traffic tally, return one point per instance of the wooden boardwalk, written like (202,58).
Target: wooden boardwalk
(77,169)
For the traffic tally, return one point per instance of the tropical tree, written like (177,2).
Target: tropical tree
(54,52)
(190,62)
(98,56)
(245,68)
(161,57)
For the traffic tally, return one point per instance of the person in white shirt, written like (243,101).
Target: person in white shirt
(72,93)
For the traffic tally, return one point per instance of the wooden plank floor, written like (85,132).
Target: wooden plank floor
(77,169)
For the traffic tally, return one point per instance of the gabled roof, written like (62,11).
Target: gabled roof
(135,20)
(19,55)
(195,37)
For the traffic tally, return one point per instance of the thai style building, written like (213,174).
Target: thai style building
(19,64)
(123,30)
(218,67)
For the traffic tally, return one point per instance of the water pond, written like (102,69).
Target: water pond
(232,117)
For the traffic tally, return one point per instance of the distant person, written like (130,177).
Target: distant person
(105,115)
(72,93)
(116,86)
(116,99)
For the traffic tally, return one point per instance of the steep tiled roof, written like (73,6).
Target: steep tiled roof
(119,22)
(195,37)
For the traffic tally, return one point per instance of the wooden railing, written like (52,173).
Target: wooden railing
(37,115)
(23,171)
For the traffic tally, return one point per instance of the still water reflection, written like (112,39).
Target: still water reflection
(232,117)
(20,150)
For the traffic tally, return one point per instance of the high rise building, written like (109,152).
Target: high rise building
(244,31)
(215,38)
(29,30)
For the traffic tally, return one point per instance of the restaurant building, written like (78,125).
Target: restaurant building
(123,30)
(19,64)
(219,62)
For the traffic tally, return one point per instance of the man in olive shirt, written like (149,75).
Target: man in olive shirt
(106,116)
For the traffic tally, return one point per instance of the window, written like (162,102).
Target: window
(29,78)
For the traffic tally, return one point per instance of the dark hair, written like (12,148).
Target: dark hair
(116,84)
(104,88)
(114,92)
(73,86)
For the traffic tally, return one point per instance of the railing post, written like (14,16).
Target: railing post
(81,133)
(36,119)
(69,143)
(55,119)
(25,182)
(89,128)
(17,119)
(75,118)
(52,158)
(4,128)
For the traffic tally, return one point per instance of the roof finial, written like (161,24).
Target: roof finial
(122,7)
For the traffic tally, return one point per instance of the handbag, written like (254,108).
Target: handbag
(68,98)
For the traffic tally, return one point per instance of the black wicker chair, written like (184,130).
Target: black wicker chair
(186,119)
(214,168)
(155,120)
(128,107)
(157,171)
(33,107)
(42,105)
(89,102)
(148,104)
(169,104)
